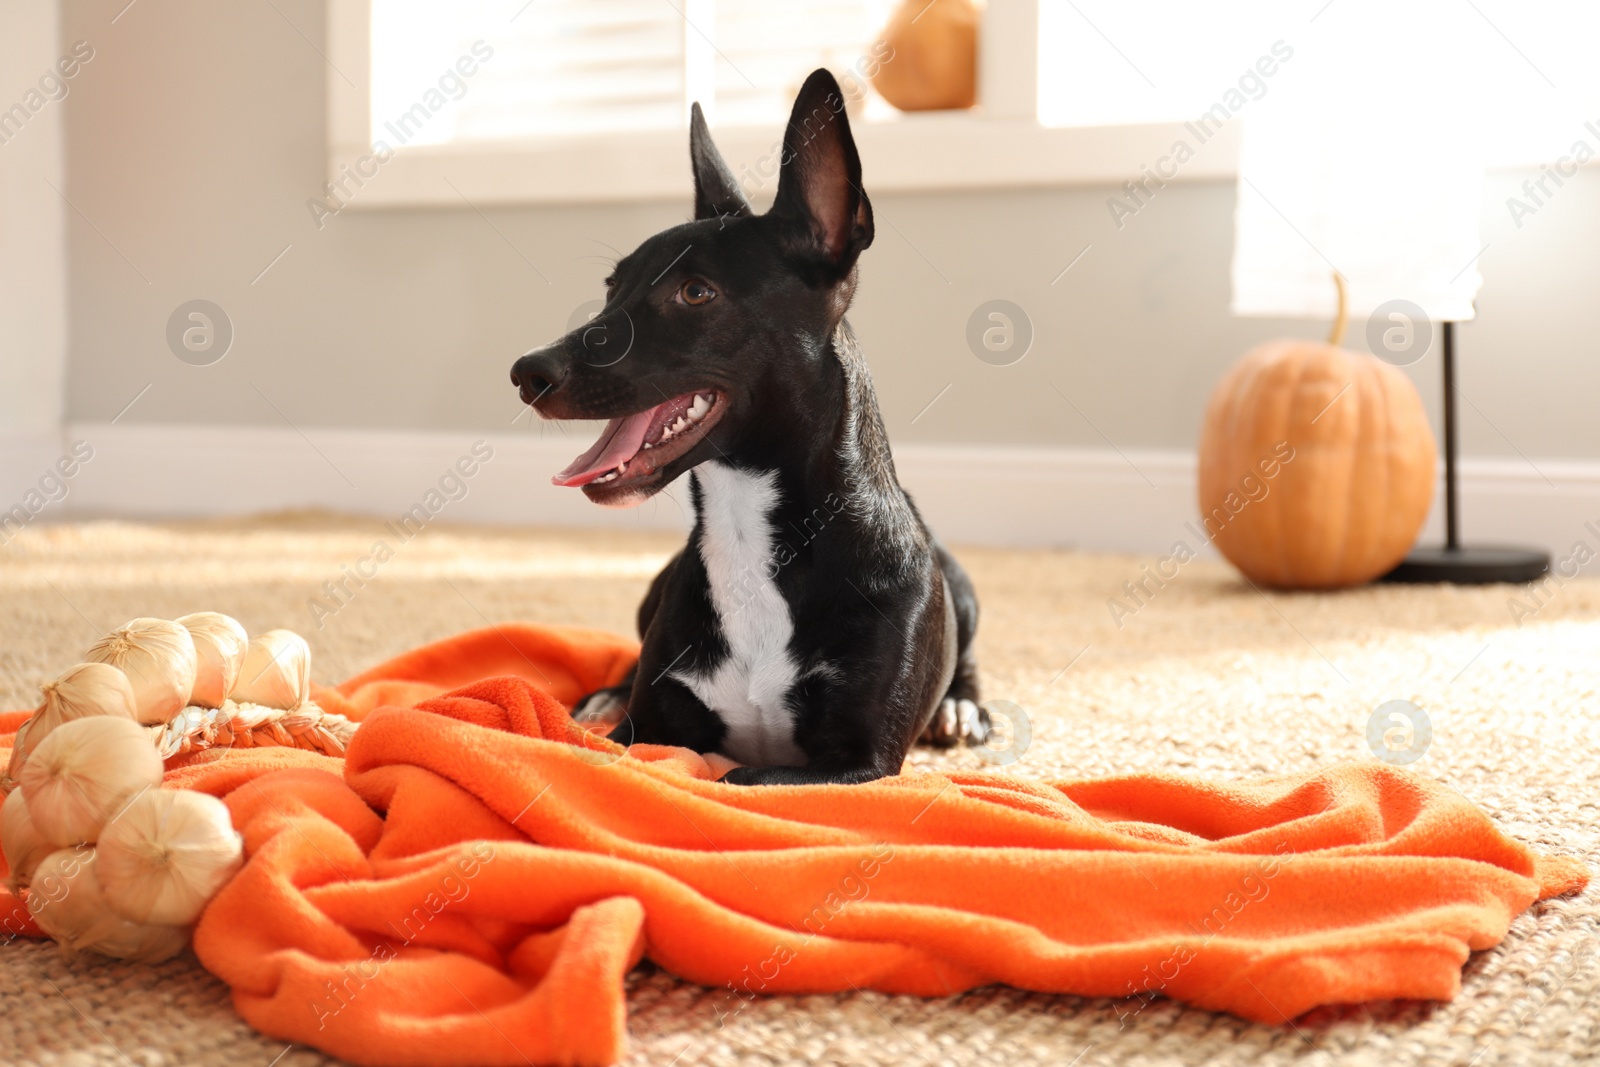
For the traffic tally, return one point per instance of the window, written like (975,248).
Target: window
(767,49)
(573,100)
(540,116)
(1109,63)
(557,67)
(582,67)
(1524,76)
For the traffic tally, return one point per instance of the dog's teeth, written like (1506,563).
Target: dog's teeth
(622,468)
(647,444)
(699,408)
(680,424)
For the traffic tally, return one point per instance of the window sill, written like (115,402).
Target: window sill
(916,153)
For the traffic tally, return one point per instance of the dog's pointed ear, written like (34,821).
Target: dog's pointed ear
(716,190)
(819,186)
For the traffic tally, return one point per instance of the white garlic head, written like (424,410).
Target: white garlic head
(87,689)
(219,644)
(65,900)
(68,902)
(81,691)
(139,942)
(82,774)
(165,854)
(276,671)
(158,656)
(20,841)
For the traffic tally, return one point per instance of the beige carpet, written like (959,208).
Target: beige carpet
(1209,678)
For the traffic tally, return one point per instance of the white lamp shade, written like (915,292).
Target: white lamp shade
(1361,159)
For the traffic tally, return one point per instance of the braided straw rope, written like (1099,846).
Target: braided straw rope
(234,725)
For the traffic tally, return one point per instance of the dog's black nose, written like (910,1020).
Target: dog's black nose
(537,373)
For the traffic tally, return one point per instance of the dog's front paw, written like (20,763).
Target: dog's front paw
(957,721)
(605,706)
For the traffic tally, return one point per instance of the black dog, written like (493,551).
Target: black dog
(812,628)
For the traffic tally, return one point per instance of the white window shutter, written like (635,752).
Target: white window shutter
(560,67)
(574,67)
(765,50)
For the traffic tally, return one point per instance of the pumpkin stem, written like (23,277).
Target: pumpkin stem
(1342,319)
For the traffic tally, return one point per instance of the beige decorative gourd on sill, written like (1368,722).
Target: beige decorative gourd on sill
(1347,503)
(931,61)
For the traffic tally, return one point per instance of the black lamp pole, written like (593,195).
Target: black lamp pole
(1477,565)
(1452,514)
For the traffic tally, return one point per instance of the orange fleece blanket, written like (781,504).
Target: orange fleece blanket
(471,884)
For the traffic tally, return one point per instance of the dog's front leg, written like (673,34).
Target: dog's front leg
(846,735)
(662,711)
(803,775)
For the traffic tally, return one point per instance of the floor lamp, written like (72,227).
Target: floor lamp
(1453,561)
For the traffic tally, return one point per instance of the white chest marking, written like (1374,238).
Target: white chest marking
(748,689)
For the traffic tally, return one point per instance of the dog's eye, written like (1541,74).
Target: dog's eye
(695,292)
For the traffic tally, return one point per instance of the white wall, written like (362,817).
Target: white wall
(32,249)
(198,133)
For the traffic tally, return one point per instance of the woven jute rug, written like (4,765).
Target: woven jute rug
(1203,675)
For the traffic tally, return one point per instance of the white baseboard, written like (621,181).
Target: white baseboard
(1093,499)
(192,471)
(25,458)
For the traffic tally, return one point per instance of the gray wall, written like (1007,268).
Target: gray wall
(33,314)
(197,134)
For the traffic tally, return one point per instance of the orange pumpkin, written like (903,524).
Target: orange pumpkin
(934,62)
(1316,464)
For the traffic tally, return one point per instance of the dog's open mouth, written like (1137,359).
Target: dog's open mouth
(631,449)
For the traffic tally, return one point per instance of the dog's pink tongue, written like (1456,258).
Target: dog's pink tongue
(619,442)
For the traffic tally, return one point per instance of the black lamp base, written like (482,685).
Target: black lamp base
(1449,562)
(1474,565)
